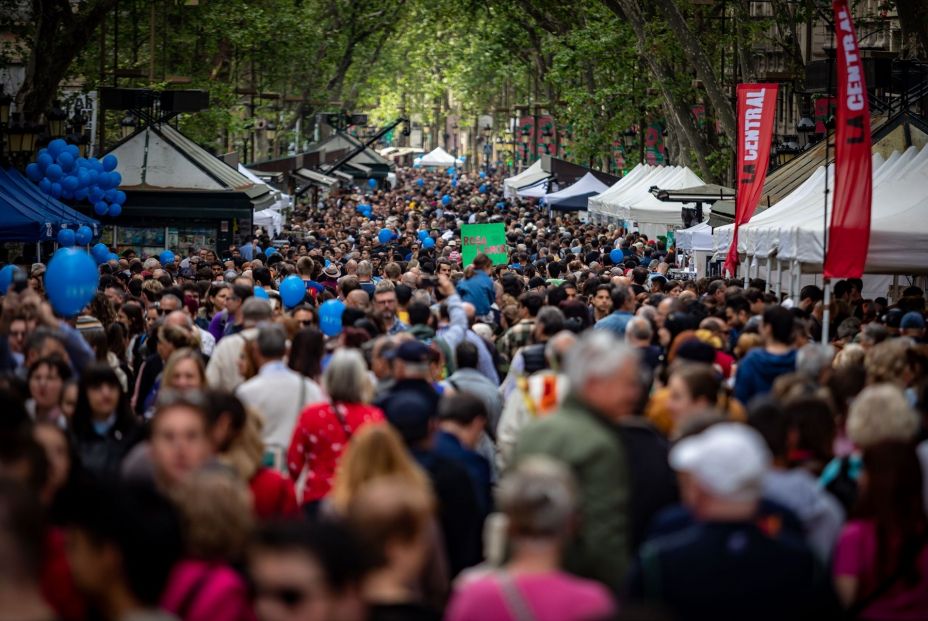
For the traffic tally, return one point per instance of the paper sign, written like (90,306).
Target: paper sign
(489,239)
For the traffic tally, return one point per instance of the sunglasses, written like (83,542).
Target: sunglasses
(290,597)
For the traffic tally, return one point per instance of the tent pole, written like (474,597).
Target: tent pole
(38,252)
(826,312)
(747,270)
(769,269)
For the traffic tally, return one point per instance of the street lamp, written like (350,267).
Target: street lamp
(56,118)
(21,138)
(127,125)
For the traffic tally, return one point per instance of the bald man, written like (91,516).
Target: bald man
(358,299)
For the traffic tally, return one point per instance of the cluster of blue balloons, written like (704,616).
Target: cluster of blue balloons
(61,172)
(292,290)
(330,317)
(71,281)
(423,235)
(445,200)
(616,255)
(101,252)
(365,210)
(81,237)
(385,236)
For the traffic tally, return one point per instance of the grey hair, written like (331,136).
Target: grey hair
(598,353)
(638,328)
(256,310)
(880,413)
(813,358)
(365,268)
(539,498)
(557,347)
(345,378)
(271,341)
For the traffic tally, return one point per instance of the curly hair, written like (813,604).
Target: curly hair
(879,413)
(887,362)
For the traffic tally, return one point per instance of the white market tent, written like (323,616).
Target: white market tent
(791,233)
(439,157)
(697,238)
(528,177)
(634,203)
(574,197)
(536,190)
(269,218)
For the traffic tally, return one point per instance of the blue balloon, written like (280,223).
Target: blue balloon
(6,277)
(100,251)
(80,194)
(420,182)
(115,210)
(66,237)
(70,183)
(616,255)
(483,188)
(292,290)
(269,251)
(330,317)
(96,164)
(66,161)
(34,172)
(385,235)
(115,179)
(428,243)
(55,190)
(44,160)
(261,293)
(95,194)
(483,174)
(110,196)
(100,208)
(451,170)
(445,200)
(120,197)
(454,183)
(56,146)
(74,151)
(166,258)
(66,194)
(112,257)
(109,162)
(54,172)
(93,177)
(372,183)
(84,235)
(71,281)
(45,185)
(423,235)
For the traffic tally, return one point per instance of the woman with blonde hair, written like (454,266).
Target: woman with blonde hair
(184,370)
(215,511)
(325,429)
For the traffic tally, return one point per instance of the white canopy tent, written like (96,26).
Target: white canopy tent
(439,157)
(596,204)
(269,218)
(635,204)
(697,238)
(575,196)
(536,190)
(528,177)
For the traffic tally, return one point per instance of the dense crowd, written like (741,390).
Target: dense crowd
(571,435)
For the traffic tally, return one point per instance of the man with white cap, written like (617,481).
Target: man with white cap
(726,565)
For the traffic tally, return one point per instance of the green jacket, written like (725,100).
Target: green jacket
(592,448)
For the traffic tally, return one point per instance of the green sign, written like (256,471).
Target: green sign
(489,239)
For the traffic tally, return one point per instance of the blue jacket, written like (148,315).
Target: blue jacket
(615,322)
(479,291)
(758,371)
(478,468)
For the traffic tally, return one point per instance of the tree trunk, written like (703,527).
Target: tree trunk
(680,114)
(60,35)
(913,16)
(700,62)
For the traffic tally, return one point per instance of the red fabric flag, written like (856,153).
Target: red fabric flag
(849,233)
(757,104)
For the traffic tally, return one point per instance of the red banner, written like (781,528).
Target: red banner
(849,233)
(757,104)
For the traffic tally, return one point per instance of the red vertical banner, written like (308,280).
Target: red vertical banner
(757,105)
(849,233)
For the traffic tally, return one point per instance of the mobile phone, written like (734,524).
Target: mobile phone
(20,282)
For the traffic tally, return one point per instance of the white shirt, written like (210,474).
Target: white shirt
(279,395)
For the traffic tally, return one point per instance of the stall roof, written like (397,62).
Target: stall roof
(574,197)
(159,158)
(706,193)
(29,215)
(314,176)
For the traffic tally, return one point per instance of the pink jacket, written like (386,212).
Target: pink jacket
(201,591)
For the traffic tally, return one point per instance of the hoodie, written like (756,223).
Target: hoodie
(758,370)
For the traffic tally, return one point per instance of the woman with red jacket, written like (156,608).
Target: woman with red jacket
(324,429)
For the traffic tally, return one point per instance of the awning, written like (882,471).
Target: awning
(29,215)
(314,176)
(706,193)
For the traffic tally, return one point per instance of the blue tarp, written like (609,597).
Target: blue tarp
(29,215)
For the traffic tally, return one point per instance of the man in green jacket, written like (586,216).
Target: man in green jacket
(605,386)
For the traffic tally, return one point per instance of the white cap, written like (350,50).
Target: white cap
(727,459)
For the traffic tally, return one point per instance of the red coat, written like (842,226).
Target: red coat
(273,495)
(320,438)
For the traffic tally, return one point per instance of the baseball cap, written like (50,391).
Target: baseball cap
(727,459)
(415,352)
(912,319)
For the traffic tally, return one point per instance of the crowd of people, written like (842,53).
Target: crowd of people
(565,436)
